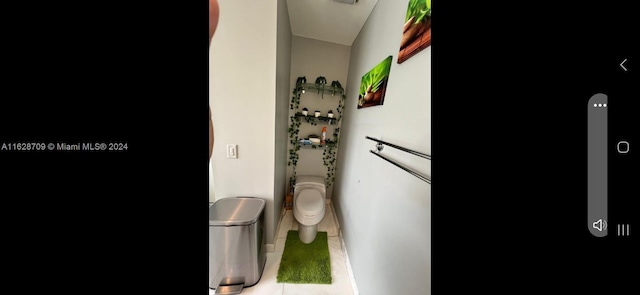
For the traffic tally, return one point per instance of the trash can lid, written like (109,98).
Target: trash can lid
(235,211)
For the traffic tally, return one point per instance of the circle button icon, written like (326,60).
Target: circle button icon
(623,147)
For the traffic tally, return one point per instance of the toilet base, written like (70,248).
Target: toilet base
(307,233)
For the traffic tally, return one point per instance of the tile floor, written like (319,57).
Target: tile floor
(341,285)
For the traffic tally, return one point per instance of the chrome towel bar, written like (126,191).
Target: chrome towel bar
(416,153)
(379,146)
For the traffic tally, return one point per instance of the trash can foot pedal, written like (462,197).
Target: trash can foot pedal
(229,289)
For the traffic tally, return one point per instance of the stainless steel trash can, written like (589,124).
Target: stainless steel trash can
(237,250)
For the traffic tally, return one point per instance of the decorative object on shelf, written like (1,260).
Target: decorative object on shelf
(324,134)
(313,120)
(329,146)
(299,82)
(317,113)
(314,139)
(374,84)
(416,33)
(305,141)
(335,85)
(321,80)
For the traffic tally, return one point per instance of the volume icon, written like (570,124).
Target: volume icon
(600,225)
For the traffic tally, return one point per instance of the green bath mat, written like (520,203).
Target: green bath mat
(305,263)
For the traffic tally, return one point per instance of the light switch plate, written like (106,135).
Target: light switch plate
(232,151)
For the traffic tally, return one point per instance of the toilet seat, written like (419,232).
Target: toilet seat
(309,203)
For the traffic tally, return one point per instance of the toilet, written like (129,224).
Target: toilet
(308,205)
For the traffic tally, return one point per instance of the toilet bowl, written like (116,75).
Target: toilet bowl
(308,205)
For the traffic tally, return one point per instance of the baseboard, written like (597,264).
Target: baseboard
(335,218)
(352,278)
(272,247)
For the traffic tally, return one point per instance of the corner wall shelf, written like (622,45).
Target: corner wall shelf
(329,148)
(310,119)
(317,145)
(319,89)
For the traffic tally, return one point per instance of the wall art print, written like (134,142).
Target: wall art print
(374,84)
(416,33)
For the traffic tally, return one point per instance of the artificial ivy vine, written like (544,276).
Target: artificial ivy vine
(295,99)
(295,146)
(330,153)
(330,148)
(310,120)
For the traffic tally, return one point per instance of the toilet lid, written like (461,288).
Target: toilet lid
(309,202)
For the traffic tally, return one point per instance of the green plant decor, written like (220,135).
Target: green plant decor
(310,120)
(295,99)
(294,129)
(372,80)
(330,149)
(419,10)
(330,154)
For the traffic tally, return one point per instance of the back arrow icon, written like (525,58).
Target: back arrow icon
(622,64)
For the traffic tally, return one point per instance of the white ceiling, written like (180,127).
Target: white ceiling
(327,20)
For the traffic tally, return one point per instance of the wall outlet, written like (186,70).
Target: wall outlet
(232,151)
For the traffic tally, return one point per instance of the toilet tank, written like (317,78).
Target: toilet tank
(308,181)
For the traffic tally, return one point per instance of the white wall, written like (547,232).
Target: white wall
(385,212)
(312,58)
(283,73)
(212,196)
(242,98)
